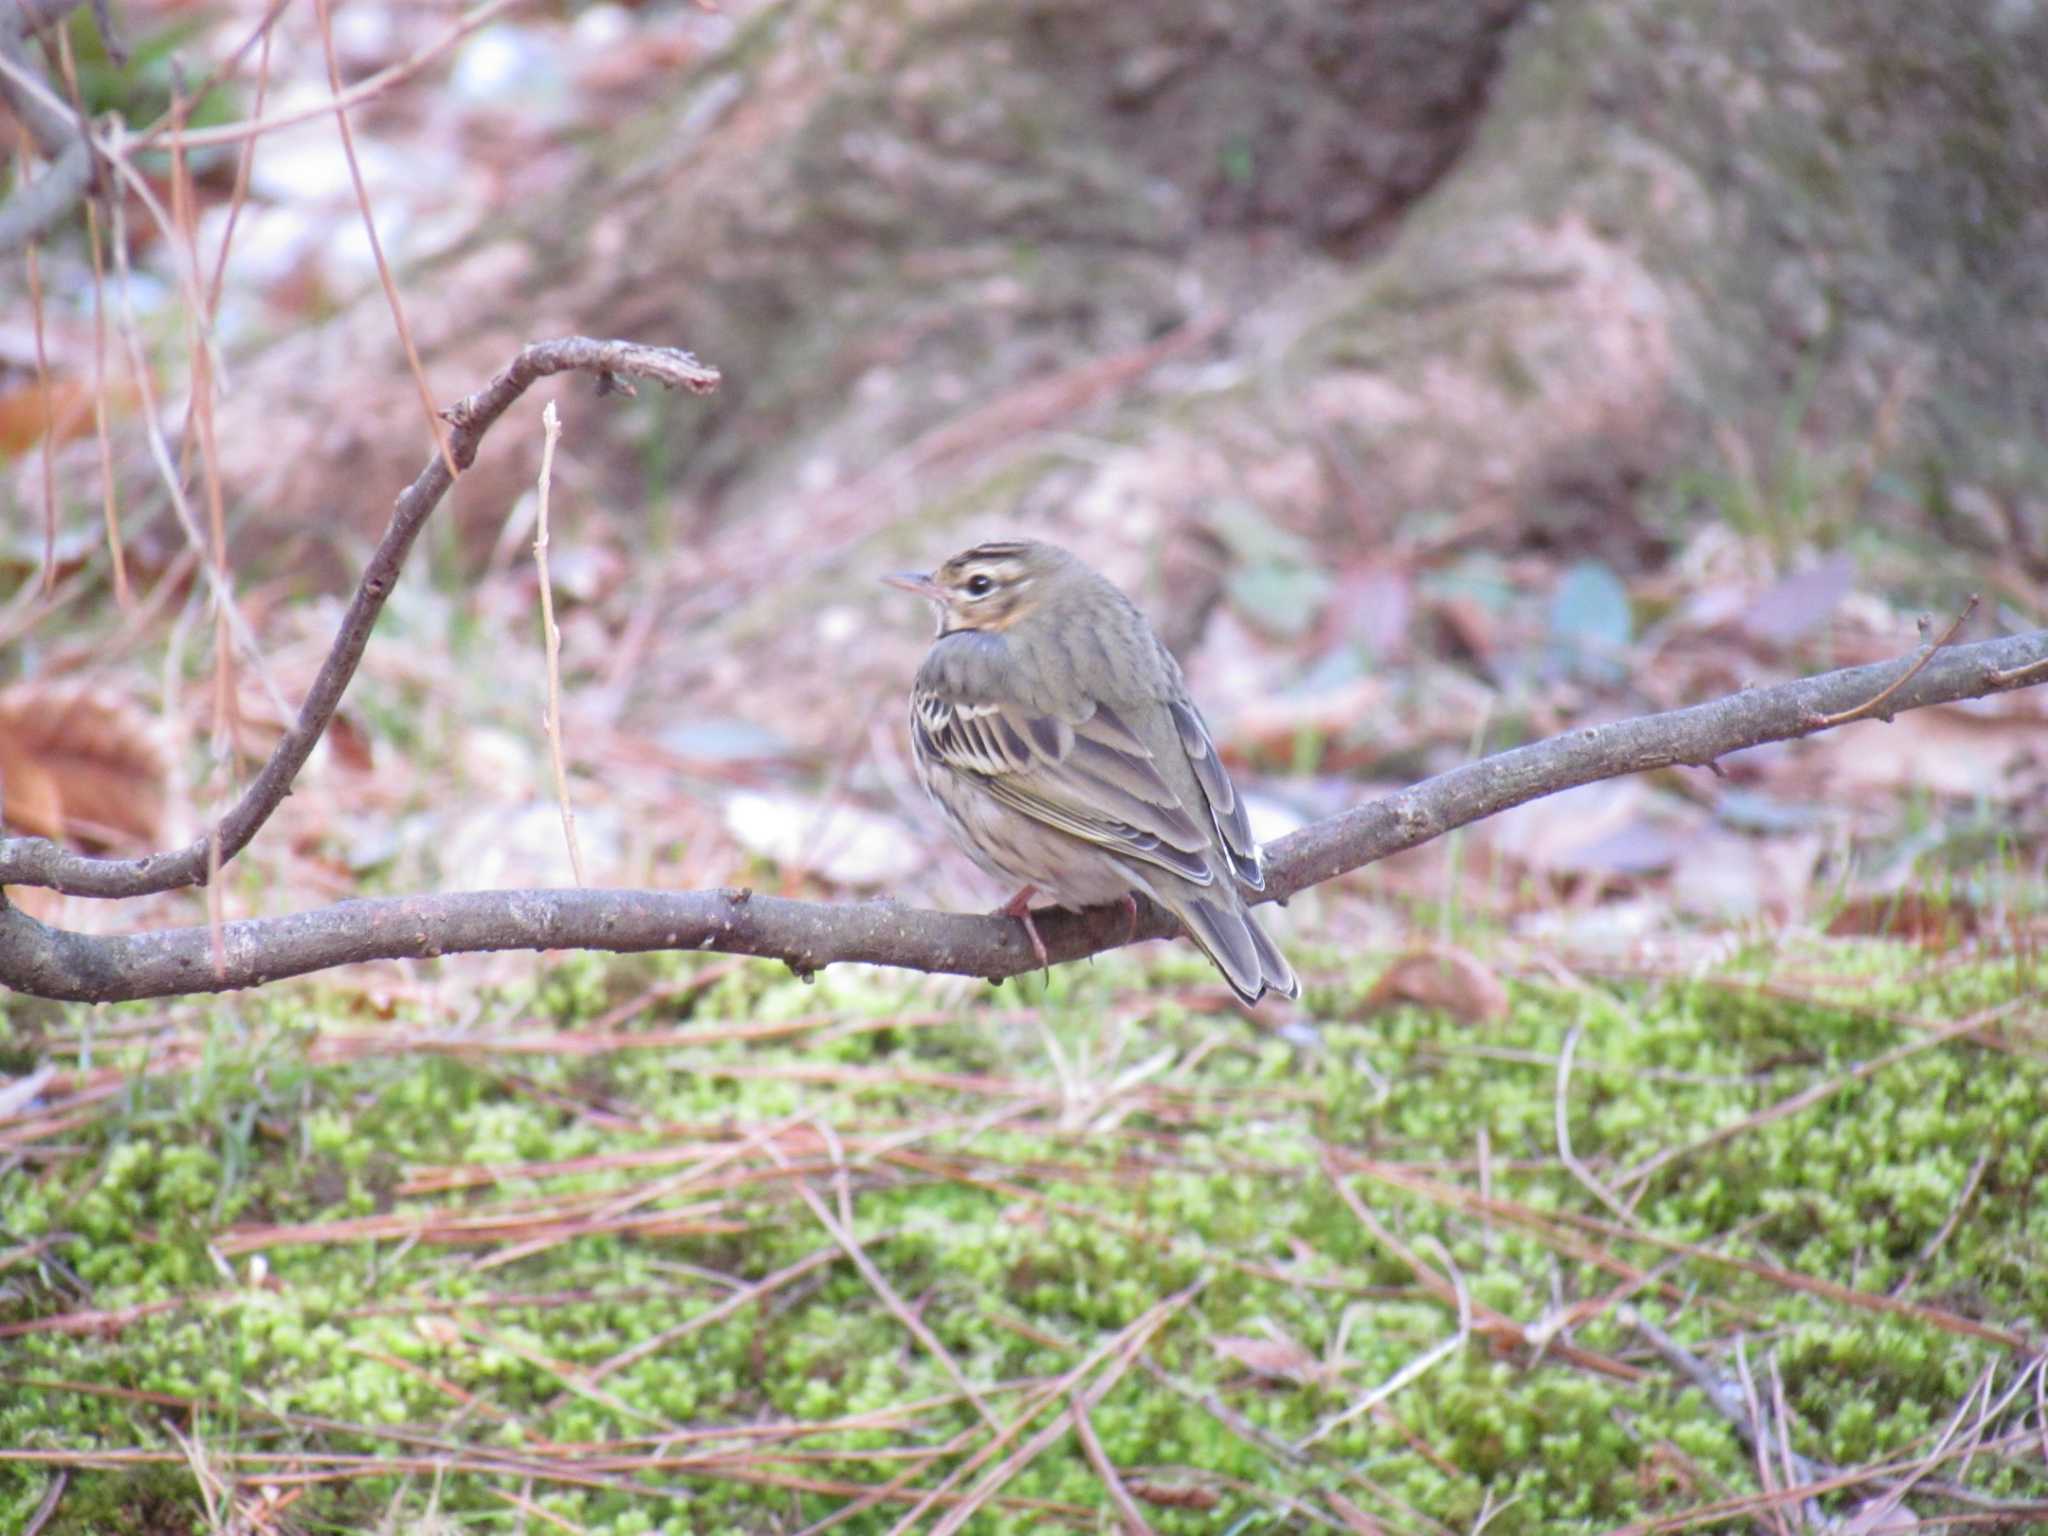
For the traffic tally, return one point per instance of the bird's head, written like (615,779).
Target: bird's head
(991,586)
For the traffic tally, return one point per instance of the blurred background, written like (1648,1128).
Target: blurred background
(1436,377)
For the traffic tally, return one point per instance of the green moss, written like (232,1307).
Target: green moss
(1049,1210)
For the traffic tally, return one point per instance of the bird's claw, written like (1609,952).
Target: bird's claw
(1019,907)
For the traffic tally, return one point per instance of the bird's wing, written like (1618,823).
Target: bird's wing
(1233,827)
(1093,777)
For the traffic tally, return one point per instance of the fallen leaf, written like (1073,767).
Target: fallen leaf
(1549,834)
(440,1331)
(1799,604)
(17,1094)
(1725,875)
(1590,621)
(1949,750)
(1449,980)
(1272,1359)
(64,409)
(349,744)
(1173,1495)
(80,764)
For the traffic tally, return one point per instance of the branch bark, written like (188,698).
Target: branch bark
(55,963)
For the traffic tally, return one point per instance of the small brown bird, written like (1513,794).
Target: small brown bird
(1056,734)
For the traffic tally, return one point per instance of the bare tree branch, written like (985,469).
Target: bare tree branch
(37,861)
(55,963)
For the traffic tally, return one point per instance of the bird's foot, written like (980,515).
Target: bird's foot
(1019,907)
(1131,907)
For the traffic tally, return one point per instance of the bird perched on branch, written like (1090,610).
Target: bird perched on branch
(1056,734)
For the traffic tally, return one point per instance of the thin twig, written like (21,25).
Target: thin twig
(1135,1339)
(161,135)
(36,861)
(1561,1118)
(1415,1368)
(46,398)
(1134,1520)
(1756,1429)
(2022,676)
(1875,705)
(1948,1226)
(879,1284)
(551,431)
(48,1505)
(1822,1091)
(116,554)
(324,11)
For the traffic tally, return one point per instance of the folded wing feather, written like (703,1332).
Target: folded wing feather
(1093,778)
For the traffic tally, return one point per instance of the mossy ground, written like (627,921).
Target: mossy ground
(1028,1171)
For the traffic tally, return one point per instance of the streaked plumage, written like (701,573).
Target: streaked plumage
(1056,734)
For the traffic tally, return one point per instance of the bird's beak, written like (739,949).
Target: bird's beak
(918,582)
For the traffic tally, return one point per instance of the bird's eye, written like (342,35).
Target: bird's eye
(980,586)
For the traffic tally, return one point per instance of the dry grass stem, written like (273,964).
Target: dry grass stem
(878,1283)
(164,135)
(324,11)
(1544,1223)
(1133,1518)
(1415,1369)
(1561,1124)
(551,636)
(1819,1093)
(46,395)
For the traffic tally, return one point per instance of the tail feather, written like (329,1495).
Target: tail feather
(1273,965)
(1227,933)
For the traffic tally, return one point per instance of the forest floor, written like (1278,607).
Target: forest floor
(690,1246)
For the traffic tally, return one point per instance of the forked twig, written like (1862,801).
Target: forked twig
(1875,705)
(355,175)
(37,861)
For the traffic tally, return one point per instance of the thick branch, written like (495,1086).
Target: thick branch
(37,861)
(810,935)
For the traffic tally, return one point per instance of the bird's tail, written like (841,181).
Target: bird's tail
(1220,923)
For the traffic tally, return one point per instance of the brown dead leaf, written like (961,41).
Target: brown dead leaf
(80,764)
(1272,1359)
(1552,834)
(1800,603)
(1932,922)
(1991,750)
(1173,1495)
(1447,979)
(350,744)
(64,410)
(1468,631)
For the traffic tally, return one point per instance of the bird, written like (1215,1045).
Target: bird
(1055,734)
